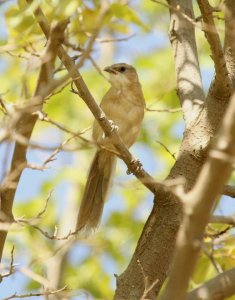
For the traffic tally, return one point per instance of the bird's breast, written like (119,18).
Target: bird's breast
(126,112)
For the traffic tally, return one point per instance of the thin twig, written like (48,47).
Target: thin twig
(211,257)
(124,39)
(170,110)
(97,67)
(11,268)
(167,150)
(45,233)
(46,293)
(147,287)
(45,118)
(42,212)
(30,222)
(34,276)
(222,79)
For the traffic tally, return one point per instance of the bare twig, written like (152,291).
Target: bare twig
(31,222)
(124,39)
(22,140)
(17,55)
(33,276)
(45,233)
(45,118)
(42,212)
(210,256)
(11,268)
(170,110)
(167,150)
(46,293)
(230,220)
(57,150)
(97,67)
(222,79)
(218,233)
(147,287)
(63,84)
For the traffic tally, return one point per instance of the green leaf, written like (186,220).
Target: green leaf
(127,14)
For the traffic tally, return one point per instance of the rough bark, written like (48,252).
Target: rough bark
(198,204)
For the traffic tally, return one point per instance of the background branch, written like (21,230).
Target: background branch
(29,295)
(229,190)
(230,220)
(220,287)
(26,123)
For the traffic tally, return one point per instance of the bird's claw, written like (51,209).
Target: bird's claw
(137,165)
(114,127)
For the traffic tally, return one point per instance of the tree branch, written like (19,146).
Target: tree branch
(229,190)
(230,220)
(11,268)
(222,84)
(220,287)
(198,203)
(182,37)
(46,293)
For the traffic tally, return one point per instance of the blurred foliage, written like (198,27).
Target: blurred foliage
(89,264)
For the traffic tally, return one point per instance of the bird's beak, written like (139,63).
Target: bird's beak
(110,70)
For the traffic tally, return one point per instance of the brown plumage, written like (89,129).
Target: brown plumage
(123,104)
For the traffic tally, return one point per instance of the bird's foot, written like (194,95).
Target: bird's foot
(136,165)
(114,127)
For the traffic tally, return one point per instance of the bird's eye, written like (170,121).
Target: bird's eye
(122,69)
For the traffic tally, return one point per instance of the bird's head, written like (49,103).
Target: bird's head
(122,75)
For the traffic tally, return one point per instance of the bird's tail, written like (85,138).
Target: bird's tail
(96,190)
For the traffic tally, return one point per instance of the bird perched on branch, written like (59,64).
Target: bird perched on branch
(123,104)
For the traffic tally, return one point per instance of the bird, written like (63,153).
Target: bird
(124,105)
